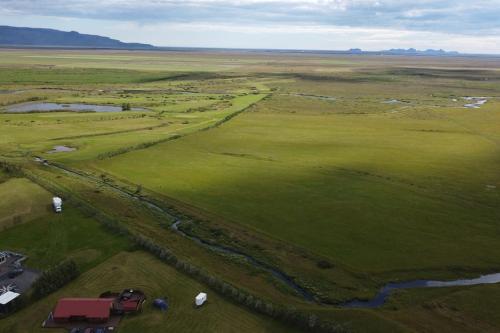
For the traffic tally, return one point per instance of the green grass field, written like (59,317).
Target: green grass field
(48,238)
(141,271)
(344,172)
(351,187)
(21,202)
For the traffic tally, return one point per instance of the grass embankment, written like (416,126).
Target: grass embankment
(50,239)
(464,309)
(22,201)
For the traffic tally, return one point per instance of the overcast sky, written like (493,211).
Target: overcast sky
(461,25)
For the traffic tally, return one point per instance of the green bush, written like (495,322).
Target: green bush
(55,278)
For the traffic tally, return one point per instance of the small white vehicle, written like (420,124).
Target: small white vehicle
(200,299)
(57,204)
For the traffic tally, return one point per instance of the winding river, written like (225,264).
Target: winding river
(385,292)
(375,302)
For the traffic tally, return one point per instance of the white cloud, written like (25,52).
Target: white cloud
(464,25)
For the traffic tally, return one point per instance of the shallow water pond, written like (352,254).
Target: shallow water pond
(61,149)
(75,107)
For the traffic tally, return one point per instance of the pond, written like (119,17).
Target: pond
(61,149)
(475,102)
(54,107)
(384,293)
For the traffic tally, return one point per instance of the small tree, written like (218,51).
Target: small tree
(126,107)
(138,190)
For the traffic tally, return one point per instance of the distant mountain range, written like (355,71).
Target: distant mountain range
(39,37)
(36,37)
(412,51)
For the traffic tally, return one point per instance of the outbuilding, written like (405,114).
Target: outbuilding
(93,310)
(6,299)
(200,299)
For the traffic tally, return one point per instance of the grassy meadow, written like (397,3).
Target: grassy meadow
(345,172)
(141,271)
(22,201)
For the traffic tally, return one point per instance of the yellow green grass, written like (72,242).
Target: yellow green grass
(22,201)
(318,166)
(53,238)
(371,192)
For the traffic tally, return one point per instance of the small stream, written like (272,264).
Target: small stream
(276,273)
(385,292)
(375,302)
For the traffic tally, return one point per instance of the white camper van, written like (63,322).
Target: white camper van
(200,299)
(57,204)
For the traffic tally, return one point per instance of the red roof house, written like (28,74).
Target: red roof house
(95,310)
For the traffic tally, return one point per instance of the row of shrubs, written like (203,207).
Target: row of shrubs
(50,281)
(11,169)
(287,314)
(55,278)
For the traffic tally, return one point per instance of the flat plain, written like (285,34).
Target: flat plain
(345,172)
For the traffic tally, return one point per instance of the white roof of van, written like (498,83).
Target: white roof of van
(8,297)
(201,296)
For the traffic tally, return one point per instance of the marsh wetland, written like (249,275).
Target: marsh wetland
(359,192)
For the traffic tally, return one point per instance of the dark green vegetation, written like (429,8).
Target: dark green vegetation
(343,172)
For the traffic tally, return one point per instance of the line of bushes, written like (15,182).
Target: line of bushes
(11,169)
(287,314)
(54,278)
(50,281)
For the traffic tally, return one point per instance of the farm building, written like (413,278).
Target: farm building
(93,310)
(129,301)
(6,300)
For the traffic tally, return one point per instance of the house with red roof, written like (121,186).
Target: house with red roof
(92,310)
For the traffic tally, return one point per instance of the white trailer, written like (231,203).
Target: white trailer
(57,204)
(200,299)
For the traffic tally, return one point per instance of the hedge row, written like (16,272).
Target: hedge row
(287,314)
(55,278)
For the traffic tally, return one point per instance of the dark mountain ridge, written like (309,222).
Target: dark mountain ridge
(16,36)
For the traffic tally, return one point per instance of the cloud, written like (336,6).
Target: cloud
(466,25)
(459,16)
